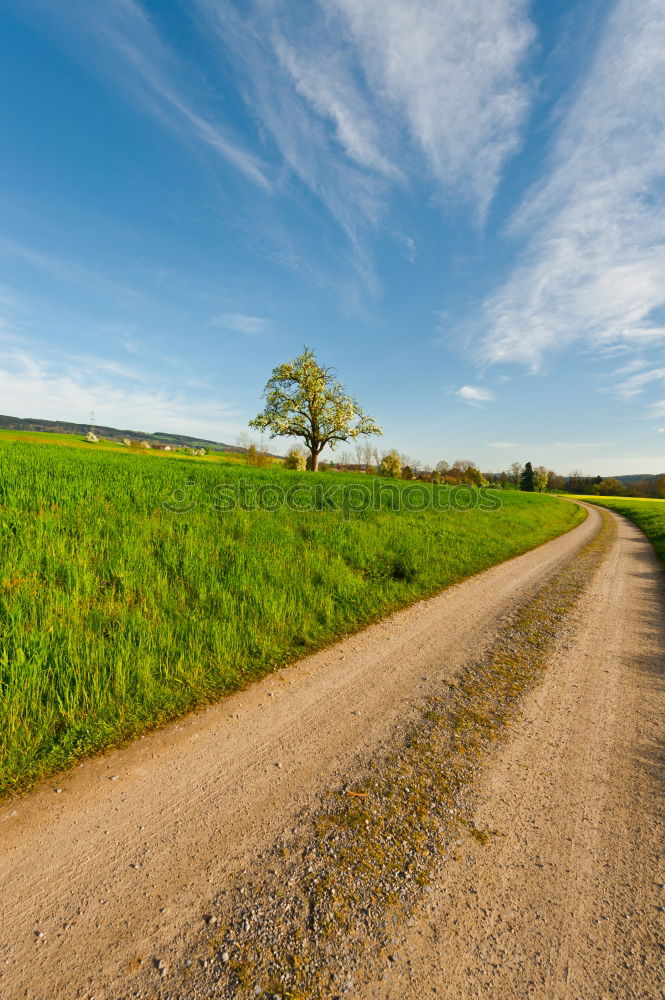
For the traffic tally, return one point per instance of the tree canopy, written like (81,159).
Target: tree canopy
(541,477)
(295,459)
(304,400)
(516,473)
(527,479)
(391,465)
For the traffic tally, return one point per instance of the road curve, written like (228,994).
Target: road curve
(567,903)
(117,865)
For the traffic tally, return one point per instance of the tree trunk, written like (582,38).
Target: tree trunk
(315,449)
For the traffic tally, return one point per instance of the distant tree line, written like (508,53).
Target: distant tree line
(396,465)
(541,479)
(651,488)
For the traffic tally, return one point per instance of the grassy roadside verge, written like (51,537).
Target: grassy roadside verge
(130,591)
(357,864)
(648,515)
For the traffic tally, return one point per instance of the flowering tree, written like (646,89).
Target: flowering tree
(391,465)
(541,476)
(304,400)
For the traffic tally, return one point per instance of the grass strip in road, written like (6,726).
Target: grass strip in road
(357,864)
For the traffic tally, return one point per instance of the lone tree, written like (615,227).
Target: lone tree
(304,400)
(541,477)
(527,479)
(516,473)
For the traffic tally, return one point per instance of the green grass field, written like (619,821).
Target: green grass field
(79,441)
(126,598)
(649,515)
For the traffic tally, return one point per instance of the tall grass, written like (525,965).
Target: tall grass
(649,515)
(117,613)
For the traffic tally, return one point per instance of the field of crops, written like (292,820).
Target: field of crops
(649,515)
(80,442)
(134,587)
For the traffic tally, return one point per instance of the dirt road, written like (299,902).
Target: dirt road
(568,901)
(114,865)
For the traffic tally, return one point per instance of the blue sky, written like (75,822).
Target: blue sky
(460,204)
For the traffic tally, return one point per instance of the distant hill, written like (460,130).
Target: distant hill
(113,433)
(634,479)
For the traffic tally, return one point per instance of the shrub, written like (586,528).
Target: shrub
(391,465)
(259,459)
(474,477)
(295,459)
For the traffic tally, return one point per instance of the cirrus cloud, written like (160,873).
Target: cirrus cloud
(251,326)
(592,269)
(360,94)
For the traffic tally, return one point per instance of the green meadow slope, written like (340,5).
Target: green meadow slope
(104,444)
(135,587)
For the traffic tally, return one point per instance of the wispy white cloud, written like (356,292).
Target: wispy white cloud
(324,79)
(33,386)
(453,73)
(65,269)
(564,445)
(361,95)
(347,98)
(308,153)
(411,249)
(637,383)
(592,271)
(474,395)
(123,42)
(251,326)
(631,366)
(552,447)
